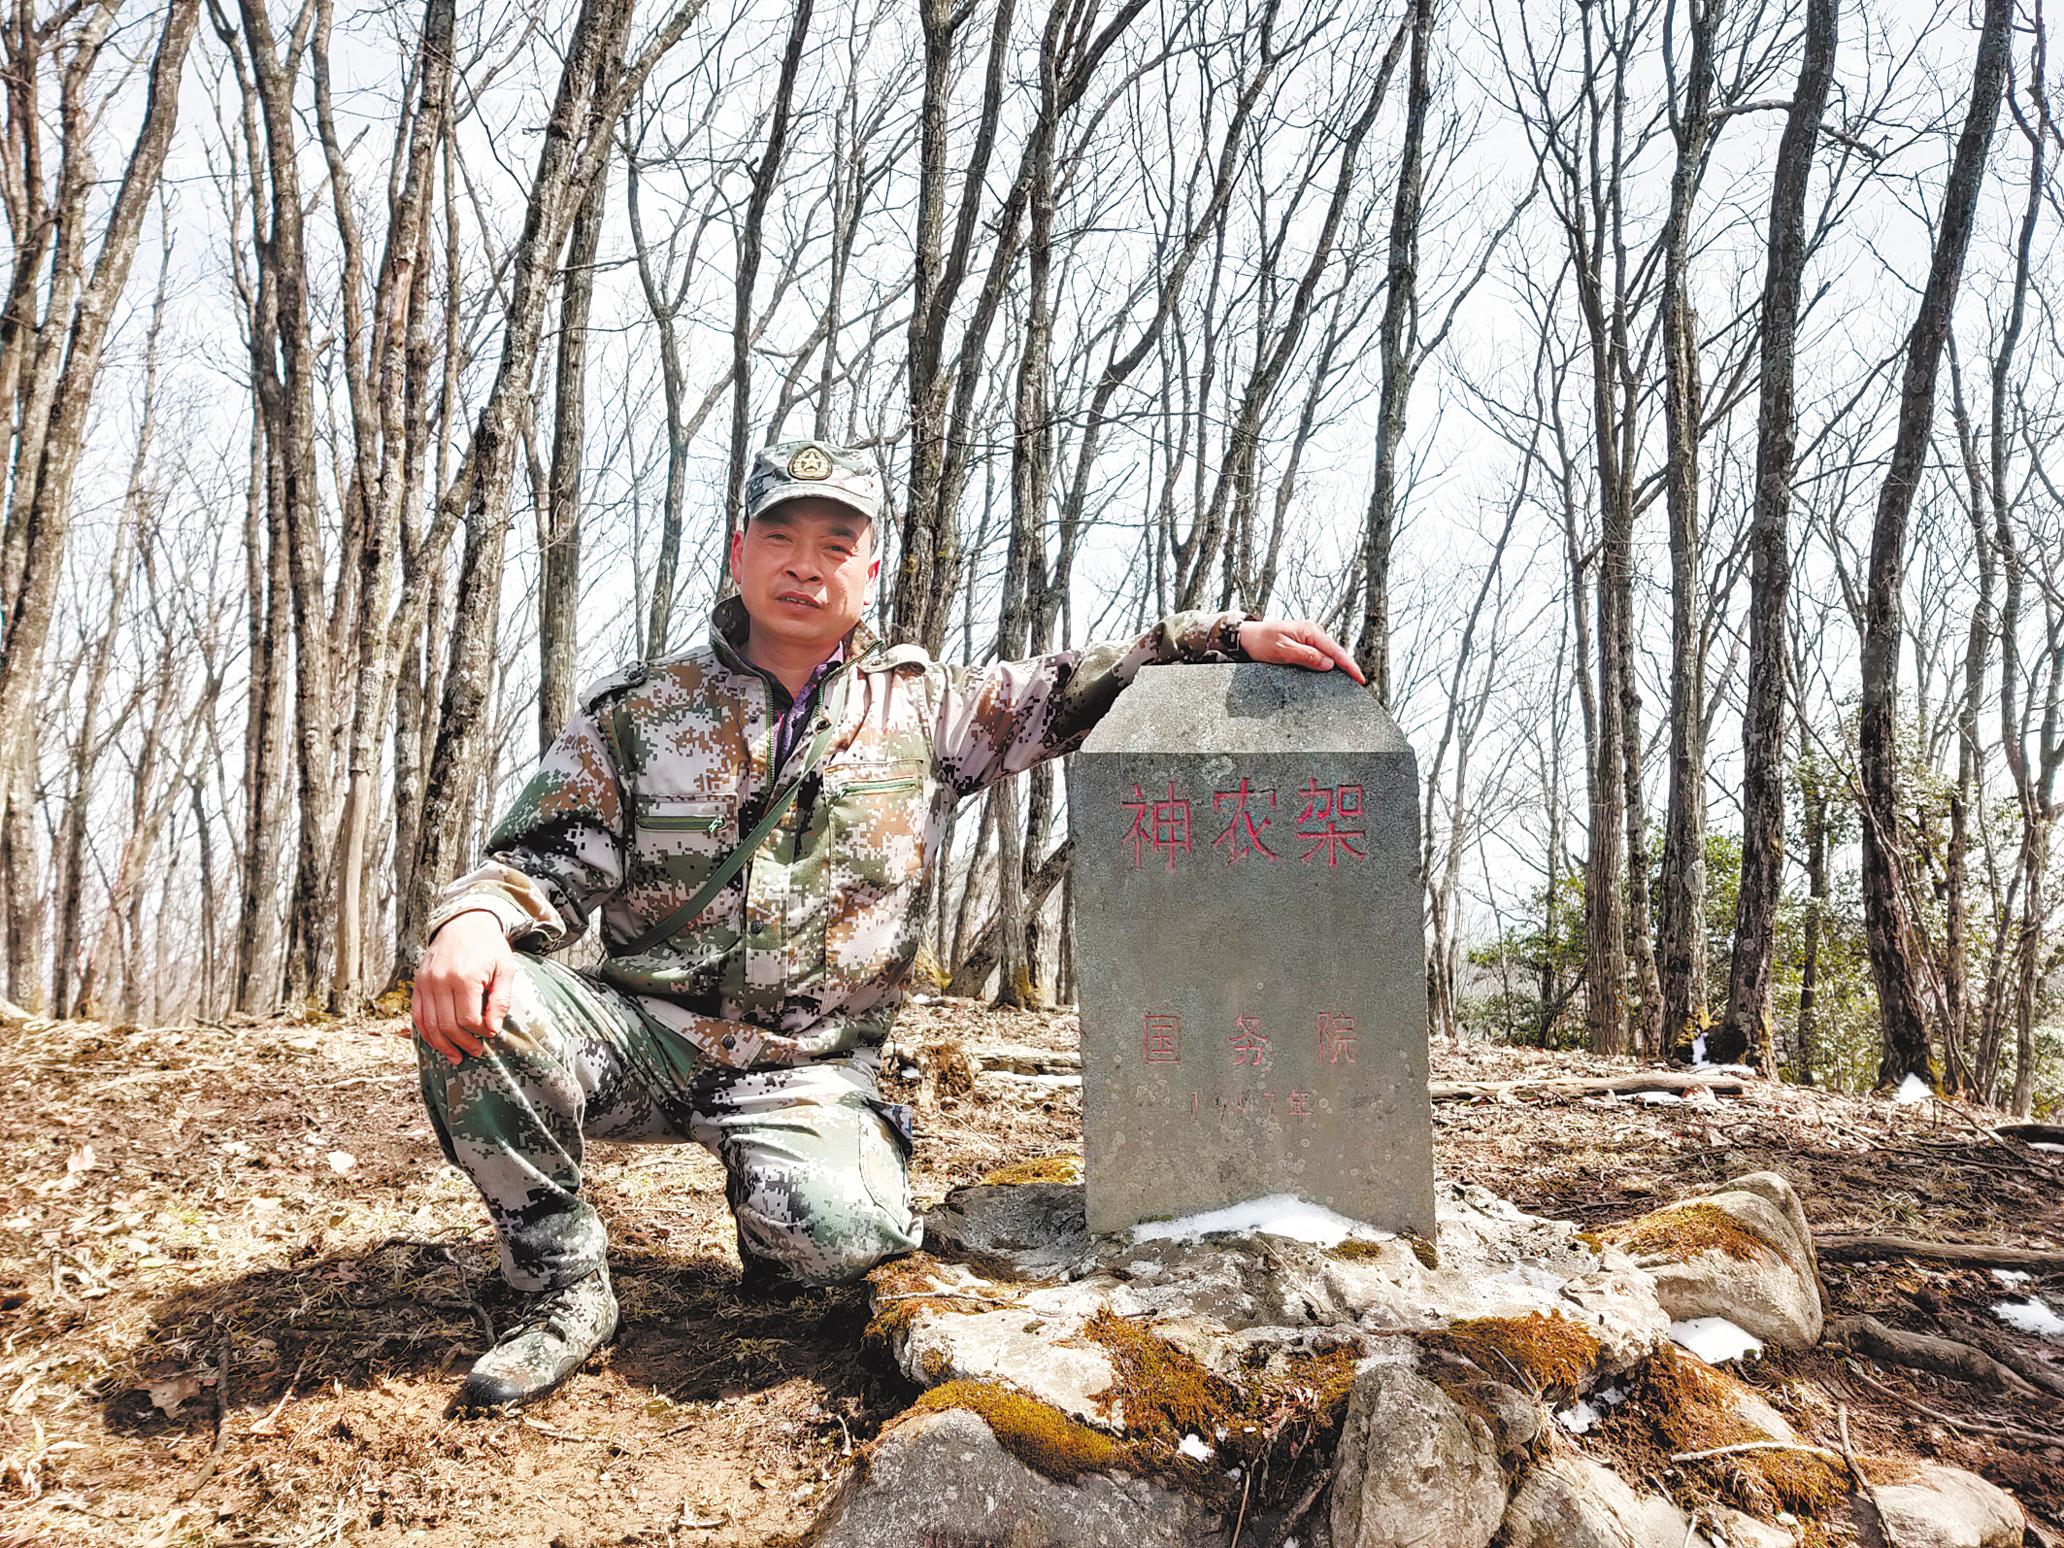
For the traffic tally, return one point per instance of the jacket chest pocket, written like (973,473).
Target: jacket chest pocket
(676,841)
(878,819)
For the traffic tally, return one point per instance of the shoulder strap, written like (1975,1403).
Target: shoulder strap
(733,863)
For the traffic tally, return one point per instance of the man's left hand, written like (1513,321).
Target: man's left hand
(1296,642)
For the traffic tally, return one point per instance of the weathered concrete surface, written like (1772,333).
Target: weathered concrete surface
(944,1478)
(1252,974)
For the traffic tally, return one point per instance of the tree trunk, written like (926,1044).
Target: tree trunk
(559,596)
(44,527)
(1770,572)
(1396,349)
(1683,921)
(1888,922)
(574,145)
(751,240)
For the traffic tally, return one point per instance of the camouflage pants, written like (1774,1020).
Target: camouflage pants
(817,1163)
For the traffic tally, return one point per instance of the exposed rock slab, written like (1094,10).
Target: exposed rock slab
(1935,1506)
(945,1478)
(1016,1230)
(1567,1500)
(1743,1252)
(1457,1349)
(1413,1465)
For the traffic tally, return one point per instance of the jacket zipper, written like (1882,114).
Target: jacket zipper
(683,823)
(873,786)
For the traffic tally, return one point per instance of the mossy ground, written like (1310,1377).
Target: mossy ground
(899,1290)
(1676,1405)
(1037,1434)
(1681,1232)
(1546,1355)
(1043,1169)
(1267,1422)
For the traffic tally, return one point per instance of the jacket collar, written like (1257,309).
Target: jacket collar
(729,623)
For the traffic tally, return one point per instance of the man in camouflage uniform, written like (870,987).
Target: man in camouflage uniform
(753,1024)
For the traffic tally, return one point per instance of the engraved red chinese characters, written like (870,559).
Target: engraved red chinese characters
(1242,835)
(1330,822)
(1336,1038)
(1160,825)
(1249,1043)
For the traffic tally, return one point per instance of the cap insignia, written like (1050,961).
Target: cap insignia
(809,462)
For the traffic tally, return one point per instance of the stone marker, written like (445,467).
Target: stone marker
(1251,949)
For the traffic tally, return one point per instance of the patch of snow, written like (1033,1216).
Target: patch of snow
(2030,1316)
(1714,1339)
(1146,1268)
(909,1072)
(342,1161)
(1658,1098)
(1277,1214)
(2050,1145)
(2011,1276)
(1911,1090)
(1579,1417)
(1733,1069)
(1698,1049)
(1193,1446)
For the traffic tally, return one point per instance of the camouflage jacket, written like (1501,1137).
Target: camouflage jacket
(661,771)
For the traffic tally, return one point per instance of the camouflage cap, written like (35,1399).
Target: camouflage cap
(790,470)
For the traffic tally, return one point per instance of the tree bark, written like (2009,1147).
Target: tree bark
(559,596)
(1888,921)
(1683,923)
(1397,365)
(1770,576)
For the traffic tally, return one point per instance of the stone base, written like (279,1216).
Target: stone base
(1100,1390)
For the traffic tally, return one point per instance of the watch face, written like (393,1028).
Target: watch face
(810,463)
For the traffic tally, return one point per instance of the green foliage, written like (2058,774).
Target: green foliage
(1527,987)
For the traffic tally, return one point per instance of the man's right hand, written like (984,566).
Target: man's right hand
(463,984)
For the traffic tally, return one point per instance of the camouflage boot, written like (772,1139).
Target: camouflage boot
(548,1343)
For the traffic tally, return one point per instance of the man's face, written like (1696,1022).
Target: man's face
(805,570)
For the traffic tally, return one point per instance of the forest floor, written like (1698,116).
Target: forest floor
(238,1287)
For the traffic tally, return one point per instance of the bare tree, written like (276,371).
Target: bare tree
(1888,911)
(1763,715)
(50,363)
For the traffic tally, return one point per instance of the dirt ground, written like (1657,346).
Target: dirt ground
(238,1286)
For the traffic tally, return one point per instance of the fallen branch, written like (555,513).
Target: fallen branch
(1575,1090)
(1863,1483)
(1762,1445)
(2010,1352)
(1924,1351)
(1019,1059)
(1288,1525)
(1984,1254)
(207,1468)
(1967,1426)
(2034,1133)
